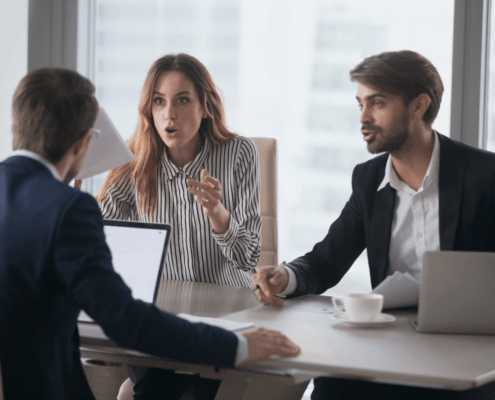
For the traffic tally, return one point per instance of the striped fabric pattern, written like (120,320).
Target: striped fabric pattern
(196,252)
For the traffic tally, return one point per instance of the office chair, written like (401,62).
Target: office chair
(267,149)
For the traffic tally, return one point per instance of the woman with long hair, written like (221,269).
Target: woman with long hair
(190,171)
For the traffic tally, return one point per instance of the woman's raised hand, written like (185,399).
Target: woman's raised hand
(208,194)
(78,183)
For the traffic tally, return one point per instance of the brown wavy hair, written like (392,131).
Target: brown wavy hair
(404,73)
(146,144)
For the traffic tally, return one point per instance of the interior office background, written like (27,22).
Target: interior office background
(282,68)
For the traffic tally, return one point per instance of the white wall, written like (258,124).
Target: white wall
(13,64)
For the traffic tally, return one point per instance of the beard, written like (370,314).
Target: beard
(389,140)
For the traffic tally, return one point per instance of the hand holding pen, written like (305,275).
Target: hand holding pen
(268,282)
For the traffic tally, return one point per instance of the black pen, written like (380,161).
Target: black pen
(270,275)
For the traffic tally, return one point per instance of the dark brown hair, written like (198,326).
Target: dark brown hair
(52,109)
(146,144)
(404,73)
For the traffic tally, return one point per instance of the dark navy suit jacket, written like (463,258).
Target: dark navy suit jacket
(54,262)
(466,208)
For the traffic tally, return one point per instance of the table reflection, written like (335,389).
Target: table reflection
(203,299)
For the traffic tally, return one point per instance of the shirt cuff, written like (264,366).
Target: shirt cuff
(242,348)
(227,239)
(291,286)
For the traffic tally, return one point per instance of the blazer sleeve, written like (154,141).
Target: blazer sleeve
(242,242)
(83,264)
(325,265)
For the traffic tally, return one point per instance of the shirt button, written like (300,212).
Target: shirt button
(419,235)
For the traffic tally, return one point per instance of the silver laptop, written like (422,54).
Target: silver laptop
(138,254)
(457,293)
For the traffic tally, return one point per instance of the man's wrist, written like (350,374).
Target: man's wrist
(291,284)
(242,352)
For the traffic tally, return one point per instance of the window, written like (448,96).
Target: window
(282,68)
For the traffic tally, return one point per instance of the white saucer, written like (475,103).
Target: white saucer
(381,319)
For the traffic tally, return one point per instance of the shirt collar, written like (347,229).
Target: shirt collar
(431,175)
(193,169)
(41,160)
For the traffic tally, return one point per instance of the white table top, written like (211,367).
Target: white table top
(392,353)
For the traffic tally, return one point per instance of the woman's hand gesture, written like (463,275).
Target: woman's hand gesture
(208,194)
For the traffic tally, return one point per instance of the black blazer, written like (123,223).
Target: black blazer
(54,262)
(466,207)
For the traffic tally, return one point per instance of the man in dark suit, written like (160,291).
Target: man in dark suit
(425,193)
(54,260)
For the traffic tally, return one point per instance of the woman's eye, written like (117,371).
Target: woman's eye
(158,101)
(182,100)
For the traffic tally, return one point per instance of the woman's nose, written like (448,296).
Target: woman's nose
(169,113)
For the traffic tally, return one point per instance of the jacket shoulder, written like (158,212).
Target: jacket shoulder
(450,145)
(454,154)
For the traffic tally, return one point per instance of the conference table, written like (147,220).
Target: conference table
(391,353)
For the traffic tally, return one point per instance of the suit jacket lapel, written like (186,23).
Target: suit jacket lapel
(381,228)
(451,185)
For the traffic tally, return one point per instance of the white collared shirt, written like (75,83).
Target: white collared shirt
(41,160)
(415,226)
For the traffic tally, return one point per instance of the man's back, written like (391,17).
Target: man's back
(54,262)
(37,319)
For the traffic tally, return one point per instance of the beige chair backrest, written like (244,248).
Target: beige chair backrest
(267,149)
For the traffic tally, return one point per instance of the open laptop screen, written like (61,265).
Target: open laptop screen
(138,253)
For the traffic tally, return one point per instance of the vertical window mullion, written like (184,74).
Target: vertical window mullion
(470,72)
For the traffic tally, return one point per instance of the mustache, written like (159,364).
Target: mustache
(369,127)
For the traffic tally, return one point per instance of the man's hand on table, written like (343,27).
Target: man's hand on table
(268,290)
(263,343)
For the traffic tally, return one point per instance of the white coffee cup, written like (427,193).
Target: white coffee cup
(360,307)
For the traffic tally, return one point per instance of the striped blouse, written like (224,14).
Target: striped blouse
(196,252)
